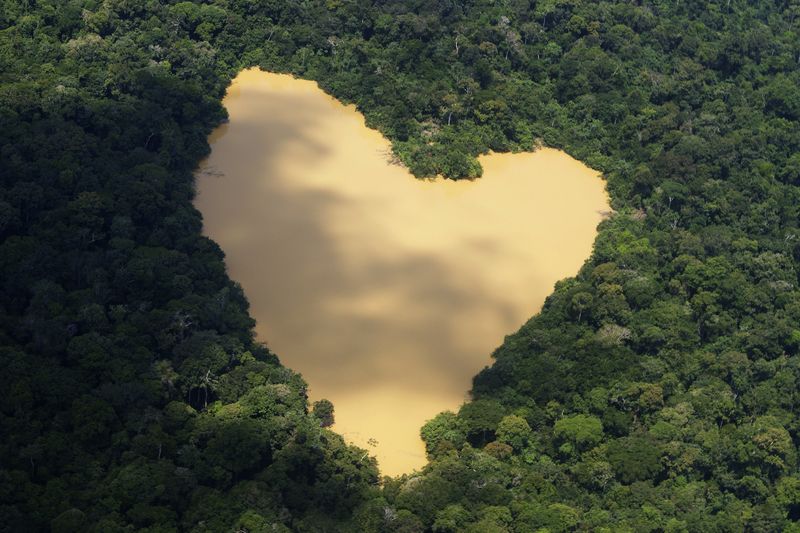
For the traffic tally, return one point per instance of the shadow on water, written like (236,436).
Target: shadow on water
(377,297)
(278,243)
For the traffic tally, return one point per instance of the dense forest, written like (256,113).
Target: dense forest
(656,391)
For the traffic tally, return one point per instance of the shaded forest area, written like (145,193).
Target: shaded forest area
(656,391)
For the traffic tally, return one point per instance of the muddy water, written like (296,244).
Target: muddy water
(386,292)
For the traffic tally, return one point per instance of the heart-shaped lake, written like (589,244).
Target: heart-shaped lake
(386,292)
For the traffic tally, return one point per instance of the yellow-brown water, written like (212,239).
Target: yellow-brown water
(386,292)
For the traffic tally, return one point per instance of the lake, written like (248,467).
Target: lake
(386,292)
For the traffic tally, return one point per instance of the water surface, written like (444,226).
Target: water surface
(386,292)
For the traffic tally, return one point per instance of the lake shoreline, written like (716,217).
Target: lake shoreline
(386,292)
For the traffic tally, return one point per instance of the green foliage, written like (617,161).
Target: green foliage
(443,433)
(480,419)
(656,391)
(323,411)
(582,431)
(514,431)
(635,458)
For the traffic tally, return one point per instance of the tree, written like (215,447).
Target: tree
(514,431)
(583,431)
(323,411)
(446,431)
(480,419)
(581,301)
(634,458)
